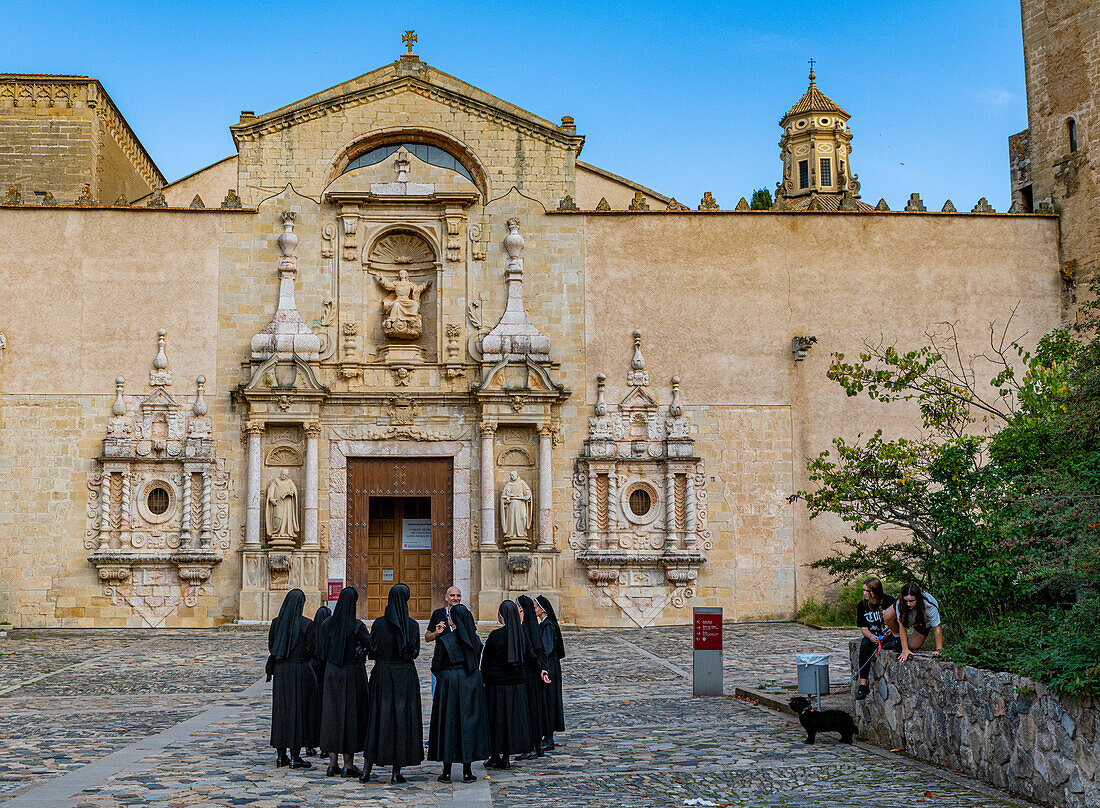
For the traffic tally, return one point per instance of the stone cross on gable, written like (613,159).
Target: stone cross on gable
(409,38)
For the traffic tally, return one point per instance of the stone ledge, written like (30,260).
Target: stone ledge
(1006,730)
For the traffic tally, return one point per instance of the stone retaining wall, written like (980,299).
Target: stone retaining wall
(1006,730)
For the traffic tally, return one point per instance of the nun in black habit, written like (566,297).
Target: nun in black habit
(344,703)
(506,688)
(537,678)
(315,641)
(395,728)
(555,653)
(293,723)
(460,720)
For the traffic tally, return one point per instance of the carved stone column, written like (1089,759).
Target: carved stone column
(124,517)
(546,489)
(105,511)
(612,499)
(207,534)
(670,506)
(689,503)
(185,510)
(309,531)
(488,487)
(255,494)
(593,511)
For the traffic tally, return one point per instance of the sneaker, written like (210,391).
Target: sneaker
(862,692)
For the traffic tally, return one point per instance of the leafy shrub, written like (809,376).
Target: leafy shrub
(842,611)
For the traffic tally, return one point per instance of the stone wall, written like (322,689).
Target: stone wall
(719,298)
(58,133)
(1062,66)
(1006,730)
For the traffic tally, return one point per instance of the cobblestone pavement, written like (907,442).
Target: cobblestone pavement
(178,718)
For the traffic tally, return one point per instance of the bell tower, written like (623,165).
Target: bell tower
(815,148)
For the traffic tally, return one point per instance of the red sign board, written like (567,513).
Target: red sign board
(708,632)
(334,589)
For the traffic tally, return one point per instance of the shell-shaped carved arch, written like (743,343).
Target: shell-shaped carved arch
(515,457)
(283,456)
(402,248)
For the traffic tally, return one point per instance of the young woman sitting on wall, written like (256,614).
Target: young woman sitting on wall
(918,611)
(876,636)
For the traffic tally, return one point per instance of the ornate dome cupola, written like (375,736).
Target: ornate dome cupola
(815,146)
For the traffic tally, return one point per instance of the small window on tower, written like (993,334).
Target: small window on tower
(1071,130)
(840,165)
(826,171)
(803,173)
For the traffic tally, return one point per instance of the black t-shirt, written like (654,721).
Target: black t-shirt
(870,617)
(439,616)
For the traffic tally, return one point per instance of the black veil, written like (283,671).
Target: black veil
(338,628)
(315,636)
(509,615)
(468,641)
(288,624)
(531,625)
(397,613)
(552,619)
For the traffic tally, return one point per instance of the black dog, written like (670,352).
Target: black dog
(814,721)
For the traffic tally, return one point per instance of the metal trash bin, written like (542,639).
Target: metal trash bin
(813,674)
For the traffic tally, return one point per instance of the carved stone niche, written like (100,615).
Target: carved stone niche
(405,271)
(640,501)
(158,499)
(516,450)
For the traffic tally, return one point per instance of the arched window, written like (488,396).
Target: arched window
(1071,130)
(426,152)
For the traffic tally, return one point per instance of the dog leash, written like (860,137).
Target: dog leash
(859,673)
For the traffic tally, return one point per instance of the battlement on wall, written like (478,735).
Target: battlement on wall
(64,131)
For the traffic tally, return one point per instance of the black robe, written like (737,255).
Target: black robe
(344,704)
(293,691)
(395,728)
(555,698)
(459,729)
(538,693)
(506,698)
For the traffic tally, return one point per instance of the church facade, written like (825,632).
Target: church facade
(405,334)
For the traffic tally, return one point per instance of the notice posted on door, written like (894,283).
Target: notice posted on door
(416,534)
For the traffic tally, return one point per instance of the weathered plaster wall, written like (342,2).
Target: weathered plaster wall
(594,184)
(210,183)
(85,292)
(719,297)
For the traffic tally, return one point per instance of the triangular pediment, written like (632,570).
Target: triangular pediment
(159,398)
(408,76)
(638,399)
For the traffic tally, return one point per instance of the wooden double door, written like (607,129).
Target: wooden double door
(400,531)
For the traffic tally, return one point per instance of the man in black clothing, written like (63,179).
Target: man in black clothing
(437,623)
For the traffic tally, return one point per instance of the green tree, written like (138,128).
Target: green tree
(996,504)
(934,494)
(761,199)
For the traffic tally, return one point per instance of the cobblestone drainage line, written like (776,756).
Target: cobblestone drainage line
(11,688)
(674,668)
(55,792)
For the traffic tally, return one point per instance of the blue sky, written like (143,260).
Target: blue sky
(683,97)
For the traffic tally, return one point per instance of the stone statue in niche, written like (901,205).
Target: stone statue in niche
(282,510)
(402,306)
(515,510)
